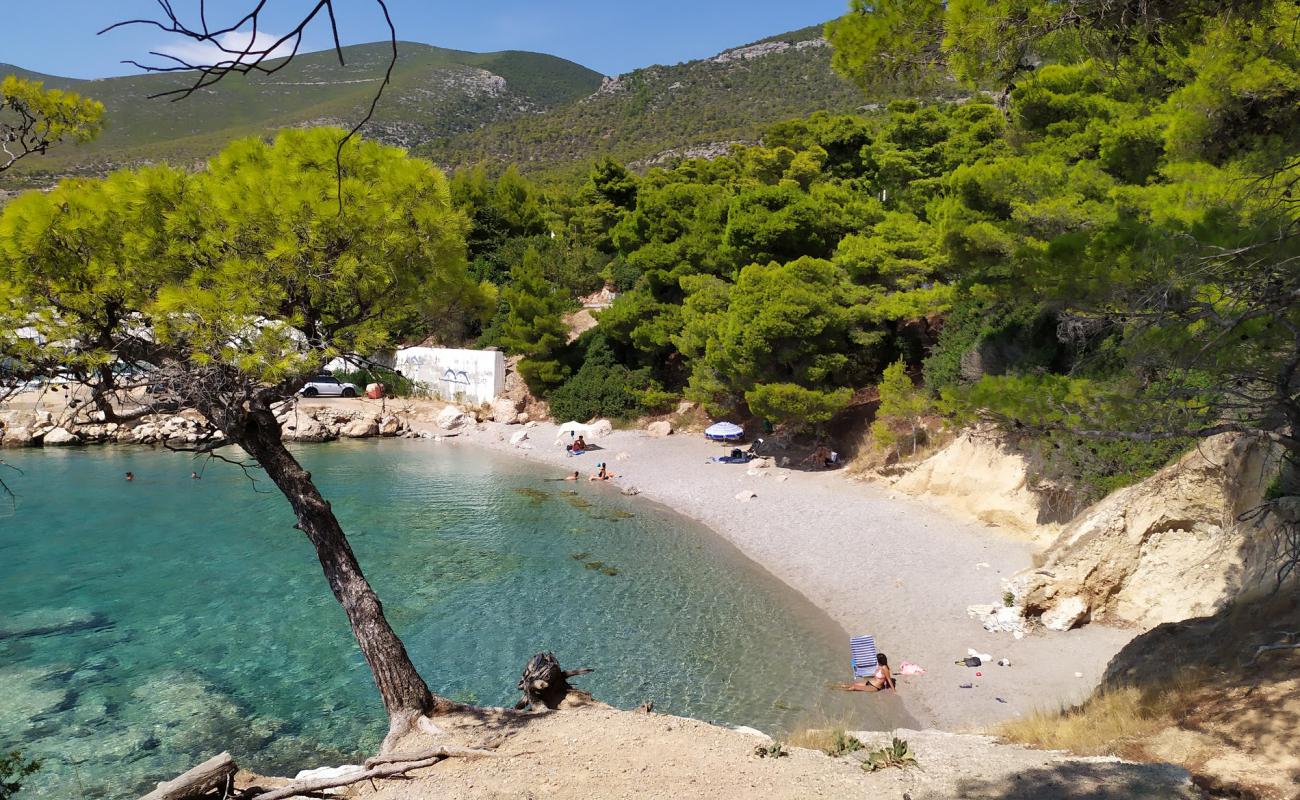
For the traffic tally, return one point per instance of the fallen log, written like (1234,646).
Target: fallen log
(385,766)
(545,683)
(212,775)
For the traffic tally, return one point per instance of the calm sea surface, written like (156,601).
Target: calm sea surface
(145,626)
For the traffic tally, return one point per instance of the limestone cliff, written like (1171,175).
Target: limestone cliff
(1170,547)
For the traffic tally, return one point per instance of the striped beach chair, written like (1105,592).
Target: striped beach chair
(863,652)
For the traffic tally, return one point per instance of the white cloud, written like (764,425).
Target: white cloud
(234,44)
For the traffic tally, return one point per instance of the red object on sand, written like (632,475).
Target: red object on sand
(979,674)
(375,391)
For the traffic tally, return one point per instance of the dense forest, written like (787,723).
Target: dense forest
(1097,252)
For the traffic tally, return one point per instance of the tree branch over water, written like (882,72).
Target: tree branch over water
(261,54)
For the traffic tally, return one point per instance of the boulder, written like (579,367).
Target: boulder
(360,429)
(1065,614)
(389,426)
(631,491)
(518,436)
(17,436)
(685,407)
(600,429)
(306,429)
(504,411)
(660,428)
(452,418)
(60,436)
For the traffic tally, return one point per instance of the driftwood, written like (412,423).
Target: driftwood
(212,775)
(545,683)
(387,766)
(1288,642)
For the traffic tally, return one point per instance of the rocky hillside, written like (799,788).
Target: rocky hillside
(541,112)
(435,93)
(660,114)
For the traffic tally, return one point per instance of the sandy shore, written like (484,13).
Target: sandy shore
(875,563)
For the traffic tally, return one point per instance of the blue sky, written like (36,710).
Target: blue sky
(610,37)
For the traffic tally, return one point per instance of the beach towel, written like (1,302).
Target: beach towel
(863,650)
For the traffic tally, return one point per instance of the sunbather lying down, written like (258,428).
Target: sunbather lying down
(881,680)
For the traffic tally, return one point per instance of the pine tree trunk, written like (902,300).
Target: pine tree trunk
(406,696)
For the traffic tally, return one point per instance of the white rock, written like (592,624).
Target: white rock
(452,418)
(685,407)
(360,429)
(1065,614)
(389,426)
(504,411)
(518,437)
(622,456)
(661,428)
(60,436)
(631,490)
(600,428)
(745,496)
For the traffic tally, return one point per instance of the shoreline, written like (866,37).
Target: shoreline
(894,567)
(872,560)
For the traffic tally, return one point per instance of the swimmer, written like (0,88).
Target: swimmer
(130,476)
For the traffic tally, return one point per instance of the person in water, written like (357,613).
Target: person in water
(130,476)
(194,476)
(881,680)
(572,477)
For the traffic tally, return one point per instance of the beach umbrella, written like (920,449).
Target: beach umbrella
(724,432)
(572,428)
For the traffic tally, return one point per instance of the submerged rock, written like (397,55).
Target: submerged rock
(45,621)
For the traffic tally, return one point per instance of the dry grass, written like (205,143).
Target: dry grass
(1111,722)
(869,458)
(833,741)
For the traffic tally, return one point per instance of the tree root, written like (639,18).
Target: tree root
(1288,643)
(383,766)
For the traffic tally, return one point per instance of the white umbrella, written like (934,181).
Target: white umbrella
(573,429)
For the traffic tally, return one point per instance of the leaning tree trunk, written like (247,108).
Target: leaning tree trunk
(406,696)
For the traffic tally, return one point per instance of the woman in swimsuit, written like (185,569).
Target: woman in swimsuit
(882,679)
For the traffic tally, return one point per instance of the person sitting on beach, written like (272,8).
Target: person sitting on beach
(580,445)
(602,474)
(881,680)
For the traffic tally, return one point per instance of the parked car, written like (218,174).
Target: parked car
(328,386)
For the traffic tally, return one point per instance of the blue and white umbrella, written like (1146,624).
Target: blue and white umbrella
(724,432)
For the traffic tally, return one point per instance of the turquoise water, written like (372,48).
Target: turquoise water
(148,625)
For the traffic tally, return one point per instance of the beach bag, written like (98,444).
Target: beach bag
(973,661)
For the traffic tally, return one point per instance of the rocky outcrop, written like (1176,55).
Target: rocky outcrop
(1166,549)
(979,476)
(298,424)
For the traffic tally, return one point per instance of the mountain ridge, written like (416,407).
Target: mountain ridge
(543,112)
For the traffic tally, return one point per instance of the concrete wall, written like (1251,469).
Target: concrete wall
(465,376)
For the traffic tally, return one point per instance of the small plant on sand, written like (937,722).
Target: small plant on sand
(896,754)
(773,750)
(1008,599)
(841,743)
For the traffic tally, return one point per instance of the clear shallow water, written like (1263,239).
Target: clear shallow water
(147,625)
